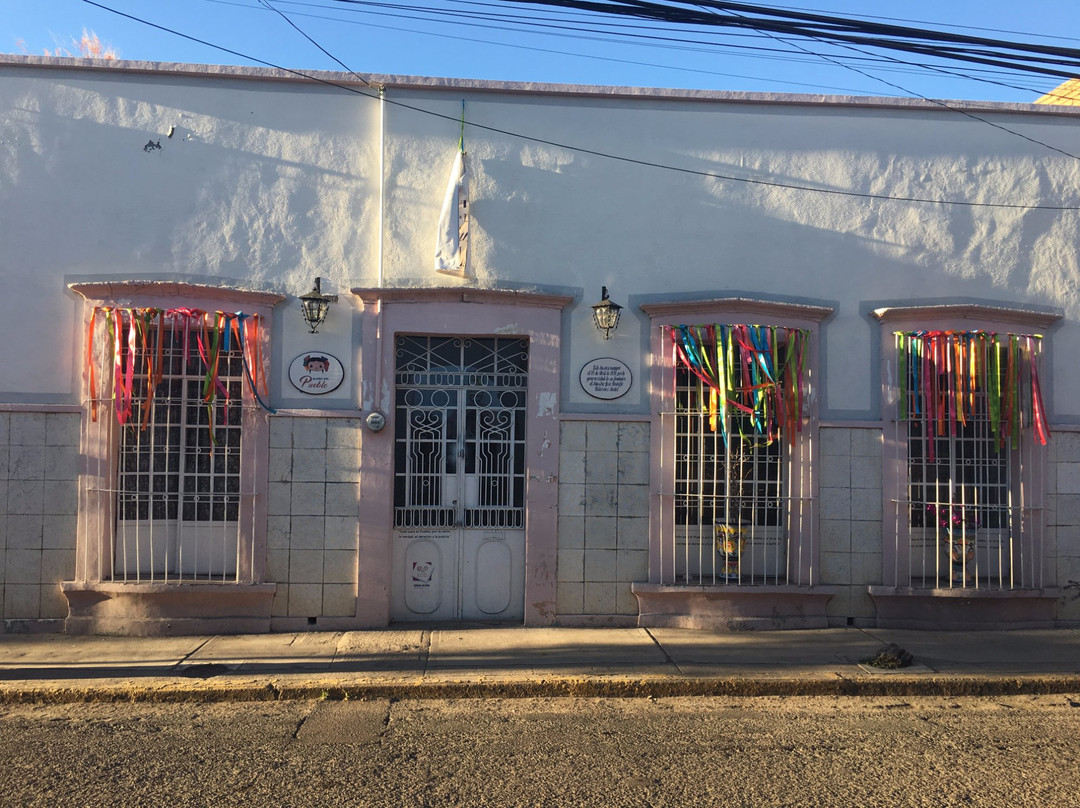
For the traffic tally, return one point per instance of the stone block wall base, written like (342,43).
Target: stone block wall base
(596,620)
(298,624)
(964,609)
(32,625)
(731,608)
(165,609)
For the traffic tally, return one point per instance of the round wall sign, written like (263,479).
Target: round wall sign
(605,378)
(316,373)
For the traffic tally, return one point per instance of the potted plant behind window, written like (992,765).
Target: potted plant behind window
(959,529)
(730,540)
(731,530)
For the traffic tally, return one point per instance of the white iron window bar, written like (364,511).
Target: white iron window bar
(728,488)
(176,502)
(741,499)
(968,502)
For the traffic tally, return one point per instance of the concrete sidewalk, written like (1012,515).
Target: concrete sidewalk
(508,662)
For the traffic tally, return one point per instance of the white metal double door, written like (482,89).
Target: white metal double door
(459,479)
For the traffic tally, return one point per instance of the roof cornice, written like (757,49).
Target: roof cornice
(425,83)
(126,290)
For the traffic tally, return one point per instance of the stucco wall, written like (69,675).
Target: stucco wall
(252,179)
(260,185)
(550,215)
(270,182)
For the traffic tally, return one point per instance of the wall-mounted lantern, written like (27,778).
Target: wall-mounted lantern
(315,305)
(605,314)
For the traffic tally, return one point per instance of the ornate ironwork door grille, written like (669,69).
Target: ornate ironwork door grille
(460,432)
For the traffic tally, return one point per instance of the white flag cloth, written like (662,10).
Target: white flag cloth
(452,239)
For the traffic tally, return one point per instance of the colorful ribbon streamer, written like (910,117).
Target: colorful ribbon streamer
(944,374)
(761,371)
(118,337)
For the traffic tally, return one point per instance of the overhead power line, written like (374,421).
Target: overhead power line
(302,33)
(964,112)
(590,26)
(579,149)
(740,14)
(1048,60)
(474,40)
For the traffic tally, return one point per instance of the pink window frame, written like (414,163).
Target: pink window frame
(802,570)
(965,317)
(96,517)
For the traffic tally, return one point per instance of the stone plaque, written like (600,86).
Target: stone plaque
(605,378)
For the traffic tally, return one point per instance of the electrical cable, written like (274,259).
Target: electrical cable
(367,5)
(296,28)
(611,59)
(828,59)
(927,34)
(425,12)
(965,112)
(953,46)
(921,23)
(583,150)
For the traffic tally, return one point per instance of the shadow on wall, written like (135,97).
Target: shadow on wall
(253,183)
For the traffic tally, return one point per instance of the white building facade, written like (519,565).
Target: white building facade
(840,391)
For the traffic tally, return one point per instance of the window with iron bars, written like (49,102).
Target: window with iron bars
(177,499)
(970,461)
(741,491)
(733,478)
(960,502)
(184,463)
(736,428)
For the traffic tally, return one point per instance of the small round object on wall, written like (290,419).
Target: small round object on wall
(375,421)
(316,373)
(605,378)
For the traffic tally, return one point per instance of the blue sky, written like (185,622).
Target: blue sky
(382,39)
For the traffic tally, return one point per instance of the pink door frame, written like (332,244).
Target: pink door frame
(459,312)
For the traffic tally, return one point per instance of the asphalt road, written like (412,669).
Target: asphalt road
(1014,751)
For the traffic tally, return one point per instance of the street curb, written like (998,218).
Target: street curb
(247,690)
